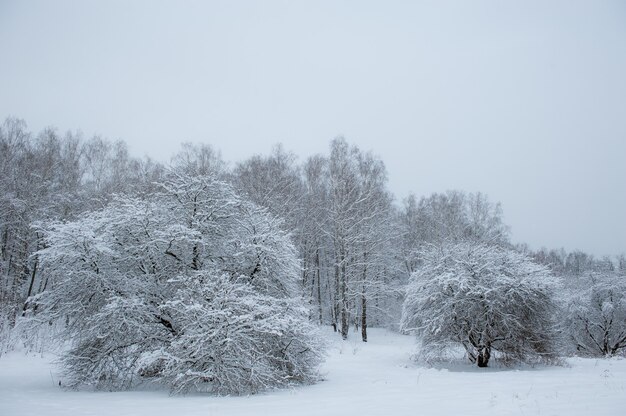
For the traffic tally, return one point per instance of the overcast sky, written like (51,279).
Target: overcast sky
(525,100)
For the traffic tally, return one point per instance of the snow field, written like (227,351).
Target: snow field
(374,378)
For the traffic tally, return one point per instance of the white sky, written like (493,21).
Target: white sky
(525,101)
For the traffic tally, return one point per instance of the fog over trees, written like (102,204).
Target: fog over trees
(204,276)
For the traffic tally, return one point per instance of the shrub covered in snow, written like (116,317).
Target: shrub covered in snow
(595,316)
(193,287)
(485,298)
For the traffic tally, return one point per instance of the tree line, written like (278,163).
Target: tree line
(85,226)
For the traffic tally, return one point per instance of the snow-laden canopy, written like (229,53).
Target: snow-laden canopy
(193,287)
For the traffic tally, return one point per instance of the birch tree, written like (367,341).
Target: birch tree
(359,208)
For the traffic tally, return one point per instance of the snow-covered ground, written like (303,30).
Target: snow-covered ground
(377,378)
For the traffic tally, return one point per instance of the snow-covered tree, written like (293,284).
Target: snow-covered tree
(453,216)
(198,160)
(595,316)
(485,298)
(339,214)
(192,287)
(361,229)
(49,176)
(317,250)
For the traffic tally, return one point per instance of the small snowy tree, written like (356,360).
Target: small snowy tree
(485,298)
(595,316)
(193,287)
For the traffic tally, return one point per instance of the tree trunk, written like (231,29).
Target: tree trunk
(364,301)
(195,262)
(5,243)
(305,270)
(319,284)
(344,300)
(363,317)
(335,301)
(484,354)
(30,286)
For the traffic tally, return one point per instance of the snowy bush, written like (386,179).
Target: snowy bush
(193,287)
(485,298)
(595,316)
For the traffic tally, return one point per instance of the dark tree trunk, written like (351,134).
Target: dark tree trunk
(335,301)
(30,286)
(319,284)
(363,318)
(195,262)
(344,299)
(5,242)
(364,301)
(344,319)
(484,354)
